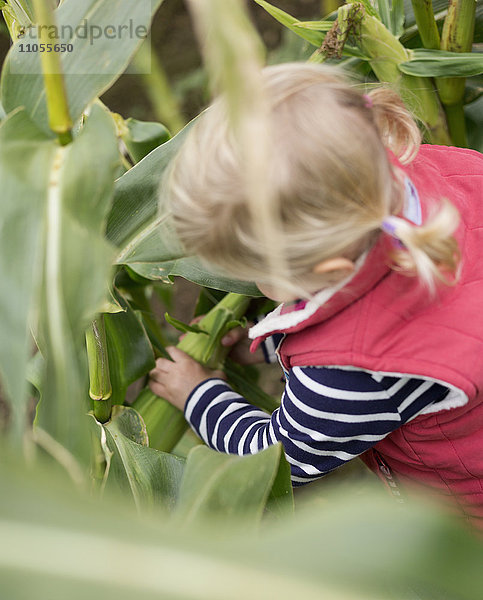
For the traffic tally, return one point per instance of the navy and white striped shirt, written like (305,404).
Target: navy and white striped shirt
(327,416)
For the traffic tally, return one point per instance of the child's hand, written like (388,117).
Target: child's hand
(174,381)
(240,352)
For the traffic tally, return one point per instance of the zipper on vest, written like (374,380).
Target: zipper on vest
(388,478)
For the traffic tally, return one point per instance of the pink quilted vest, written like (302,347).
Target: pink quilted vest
(385,321)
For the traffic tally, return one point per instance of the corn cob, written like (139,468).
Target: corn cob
(165,424)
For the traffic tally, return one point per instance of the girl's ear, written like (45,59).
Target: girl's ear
(333,264)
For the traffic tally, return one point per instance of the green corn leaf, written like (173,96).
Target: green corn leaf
(192,269)
(280,501)
(140,290)
(86,76)
(76,267)
(189,441)
(24,166)
(369,9)
(217,485)
(150,477)
(473,89)
(439,63)
(313,37)
(183,327)
(55,263)
(397,17)
(207,299)
(165,424)
(478,36)
(135,225)
(235,323)
(141,138)
(154,333)
(111,305)
(391,13)
(315,25)
(35,371)
(18,15)
(474,124)
(52,528)
(23,10)
(384,10)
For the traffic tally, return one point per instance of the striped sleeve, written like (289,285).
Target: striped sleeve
(327,416)
(269,347)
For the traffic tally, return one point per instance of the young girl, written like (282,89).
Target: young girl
(381,333)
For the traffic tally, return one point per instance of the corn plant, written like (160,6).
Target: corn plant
(73,235)
(382,36)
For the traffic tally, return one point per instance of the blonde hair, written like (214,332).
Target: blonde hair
(331,178)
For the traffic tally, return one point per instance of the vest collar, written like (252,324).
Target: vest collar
(371,268)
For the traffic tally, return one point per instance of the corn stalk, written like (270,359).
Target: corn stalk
(457,36)
(100,389)
(166,424)
(57,104)
(424,15)
(163,100)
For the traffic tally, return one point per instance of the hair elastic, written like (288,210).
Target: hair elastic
(367,101)
(389,225)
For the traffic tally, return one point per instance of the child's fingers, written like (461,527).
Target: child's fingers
(176,354)
(162,364)
(233,336)
(157,375)
(157,388)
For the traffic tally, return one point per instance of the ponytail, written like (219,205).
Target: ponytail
(397,128)
(429,251)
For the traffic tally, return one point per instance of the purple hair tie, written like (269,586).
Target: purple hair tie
(389,225)
(367,101)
